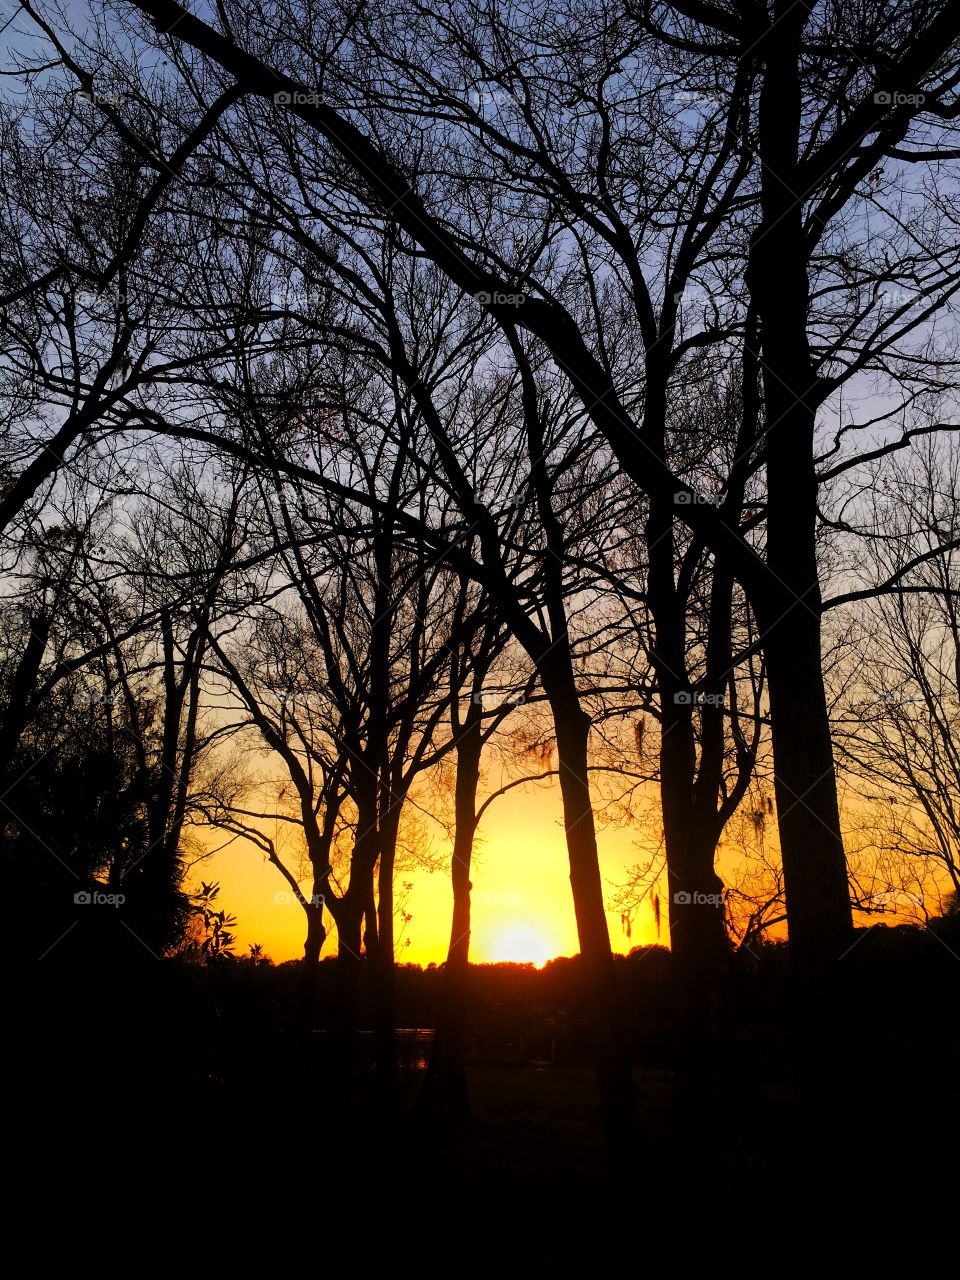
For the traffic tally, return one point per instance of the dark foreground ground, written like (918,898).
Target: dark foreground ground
(153,1131)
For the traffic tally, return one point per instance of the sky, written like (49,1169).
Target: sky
(522,905)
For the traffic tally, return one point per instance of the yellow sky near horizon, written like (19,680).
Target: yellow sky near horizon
(522,905)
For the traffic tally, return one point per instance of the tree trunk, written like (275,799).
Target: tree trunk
(819,916)
(698,941)
(818,903)
(814,867)
(617,1094)
(555,667)
(312,947)
(445,1088)
(382,967)
(697,936)
(22,687)
(689,798)
(347,993)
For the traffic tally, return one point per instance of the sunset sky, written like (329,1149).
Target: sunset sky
(522,908)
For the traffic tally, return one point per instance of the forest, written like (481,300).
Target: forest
(411,414)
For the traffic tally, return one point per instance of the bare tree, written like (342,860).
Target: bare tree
(897,714)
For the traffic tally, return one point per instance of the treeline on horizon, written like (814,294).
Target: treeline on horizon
(904,968)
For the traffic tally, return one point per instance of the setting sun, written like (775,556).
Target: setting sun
(521,946)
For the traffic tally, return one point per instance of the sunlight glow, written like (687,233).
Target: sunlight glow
(521,946)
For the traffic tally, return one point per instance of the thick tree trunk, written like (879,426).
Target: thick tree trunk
(617,1093)
(312,947)
(555,667)
(819,916)
(689,798)
(818,907)
(347,993)
(445,1088)
(814,867)
(382,968)
(698,940)
(697,935)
